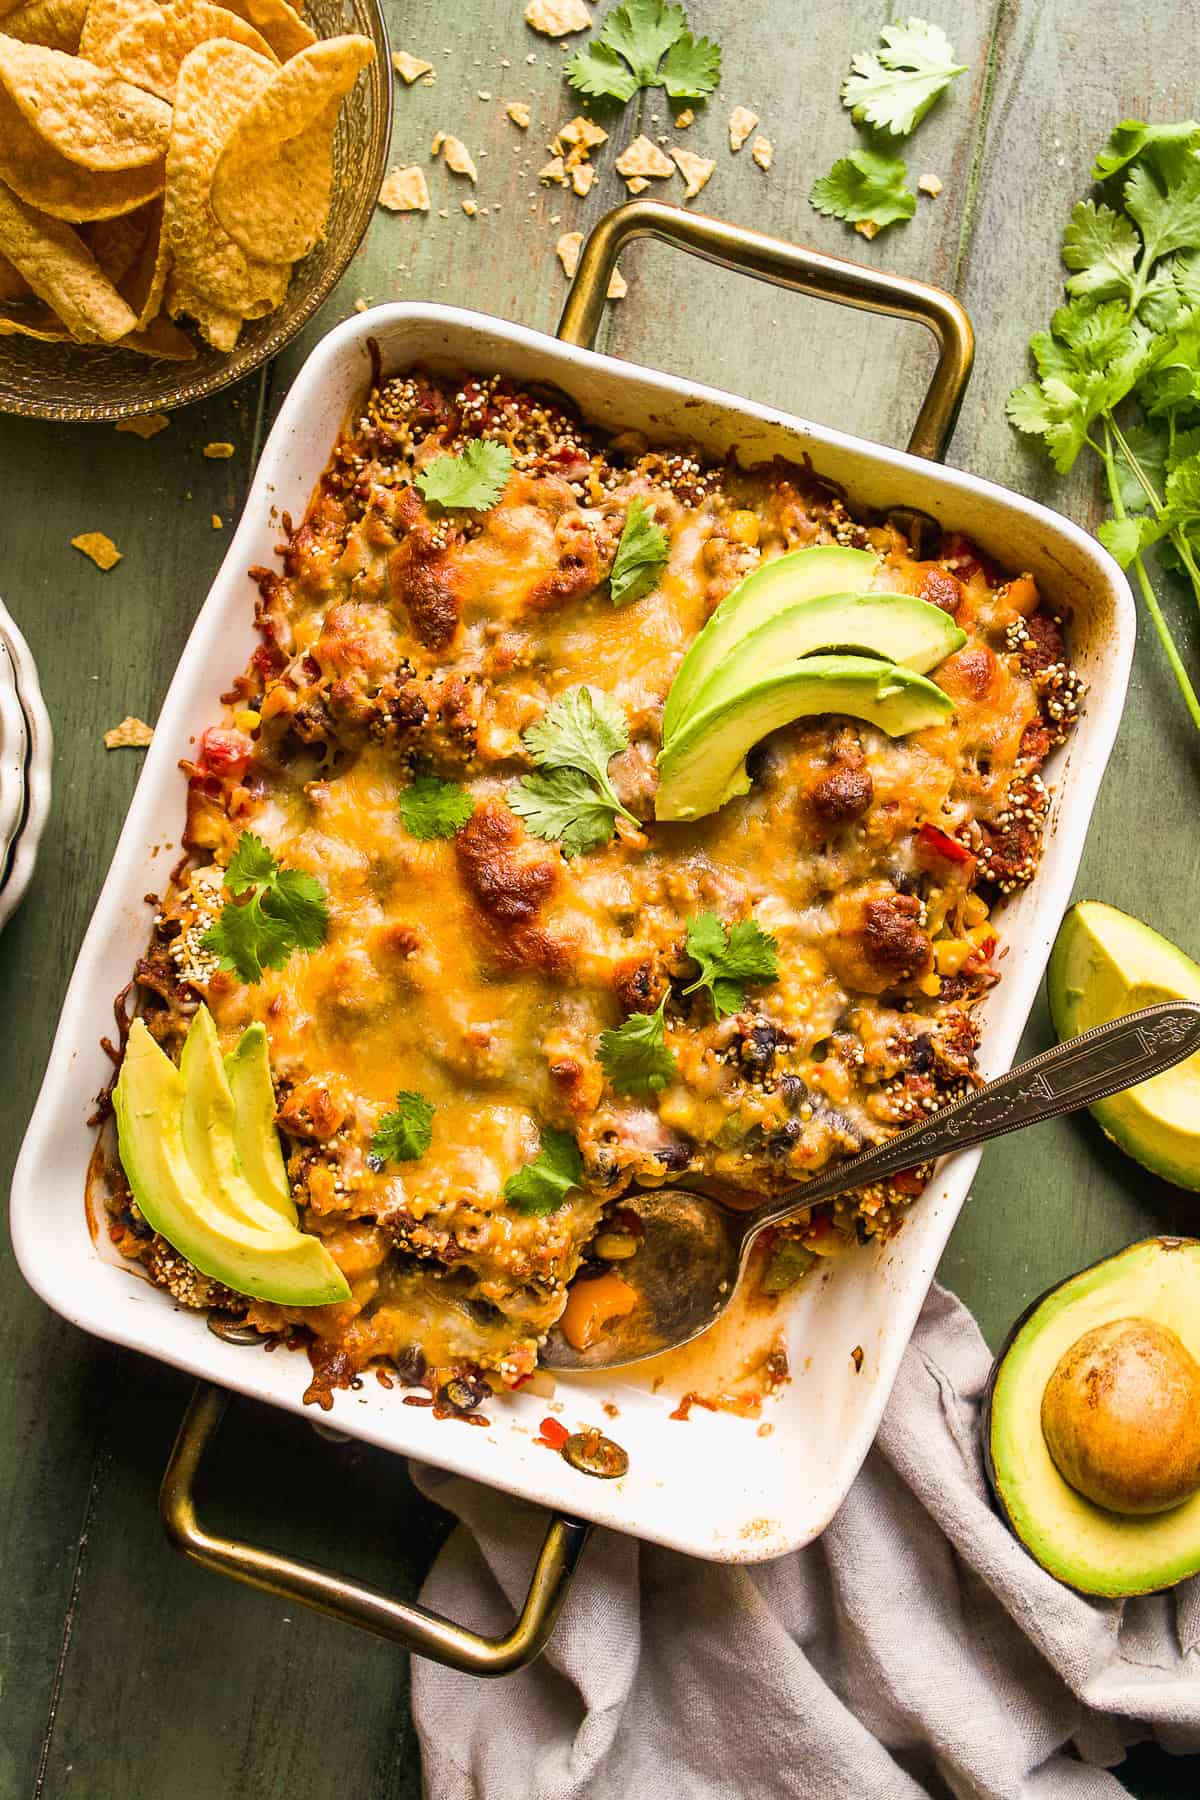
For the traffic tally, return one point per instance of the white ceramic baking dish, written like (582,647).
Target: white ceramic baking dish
(712,1486)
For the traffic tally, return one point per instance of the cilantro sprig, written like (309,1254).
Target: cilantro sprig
(893,88)
(273,912)
(405,1134)
(730,960)
(474,480)
(641,555)
(570,799)
(864,187)
(432,808)
(1127,342)
(542,1186)
(644,44)
(635,1056)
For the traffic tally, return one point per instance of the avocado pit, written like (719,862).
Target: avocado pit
(1121,1417)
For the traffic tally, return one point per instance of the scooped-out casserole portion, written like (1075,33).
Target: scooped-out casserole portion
(499,951)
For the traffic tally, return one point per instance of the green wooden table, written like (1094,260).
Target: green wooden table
(126,1674)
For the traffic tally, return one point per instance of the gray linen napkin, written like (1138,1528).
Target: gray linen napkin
(914,1649)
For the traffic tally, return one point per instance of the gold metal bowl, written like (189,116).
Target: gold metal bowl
(79,382)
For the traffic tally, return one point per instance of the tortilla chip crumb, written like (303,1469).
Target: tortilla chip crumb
(554,170)
(567,251)
(99,546)
(438,141)
(405,190)
(763,152)
(644,158)
(867,228)
(518,112)
(218,452)
(557,18)
(217,521)
(685,118)
(130,734)
(741,123)
(696,170)
(410,68)
(582,134)
(582,179)
(146,425)
(360,304)
(618,287)
(637,185)
(469,207)
(929,184)
(456,156)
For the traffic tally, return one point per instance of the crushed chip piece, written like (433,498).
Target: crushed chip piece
(218,452)
(763,152)
(582,134)
(130,734)
(637,184)
(929,184)
(685,119)
(643,157)
(146,425)
(695,170)
(456,155)
(439,138)
(99,546)
(741,123)
(217,521)
(618,287)
(409,68)
(582,179)
(554,170)
(567,251)
(558,18)
(518,112)
(867,228)
(405,190)
(469,207)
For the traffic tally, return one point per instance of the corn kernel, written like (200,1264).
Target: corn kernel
(246,719)
(743,527)
(975,910)
(951,953)
(929,984)
(615,1246)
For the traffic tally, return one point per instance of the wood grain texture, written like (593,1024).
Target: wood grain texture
(125,1674)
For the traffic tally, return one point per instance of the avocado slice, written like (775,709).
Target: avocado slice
(704,766)
(773,587)
(1105,964)
(1082,1544)
(248,1071)
(210,1129)
(286,1266)
(894,627)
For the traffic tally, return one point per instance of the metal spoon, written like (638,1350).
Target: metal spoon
(694,1249)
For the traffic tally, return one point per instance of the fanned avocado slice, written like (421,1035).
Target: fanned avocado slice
(704,766)
(282,1264)
(210,1129)
(771,588)
(248,1070)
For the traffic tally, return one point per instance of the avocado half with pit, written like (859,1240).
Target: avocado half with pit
(1091,1424)
(1105,964)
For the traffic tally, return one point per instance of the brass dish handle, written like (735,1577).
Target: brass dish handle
(413,1627)
(788,266)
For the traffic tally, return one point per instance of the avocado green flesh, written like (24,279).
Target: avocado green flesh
(248,1071)
(895,627)
(210,1129)
(1096,1551)
(1106,964)
(282,1265)
(705,765)
(772,587)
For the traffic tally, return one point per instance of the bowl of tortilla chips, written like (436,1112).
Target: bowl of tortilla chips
(181,186)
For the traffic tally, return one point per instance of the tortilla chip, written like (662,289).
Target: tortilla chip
(518,112)
(145,425)
(216,521)
(556,18)
(130,734)
(218,326)
(279,23)
(33,322)
(99,546)
(643,157)
(405,190)
(217,81)
(163,340)
(741,123)
(117,243)
(151,47)
(695,170)
(410,67)
(145,280)
(62,271)
(13,285)
(55,23)
(218,452)
(88,114)
(103,21)
(63,189)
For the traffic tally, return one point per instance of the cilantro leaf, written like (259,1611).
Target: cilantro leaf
(1122,538)
(635,1056)
(403,1135)
(1102,247)
(542,1186)
(894,88)
(571,799)
(274,912)
(628,53)
(1168,216)
(864,186)
(562,805)
(729,960)
(641,555)
(476,479)
(432,808)
(1132,138)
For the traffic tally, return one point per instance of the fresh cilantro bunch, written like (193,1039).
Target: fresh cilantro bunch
(571,799)
(641,555)
(542,1186)
(432,808)
(474,480)
(729,959)
(893,88)
(1118,372)
(635,1056)
(644,44)
(865,187)
(273,913)
(405,1134)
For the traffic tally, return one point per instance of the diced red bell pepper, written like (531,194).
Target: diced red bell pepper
(908,1181)
(940,843)
(224,753)
(554,1435)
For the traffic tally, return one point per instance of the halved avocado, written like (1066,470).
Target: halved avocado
(772,587)
(704,766)
(248,1071)
(283,1265)
(210,1130)
(894,627)
(1082,1544)
(1105,964)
